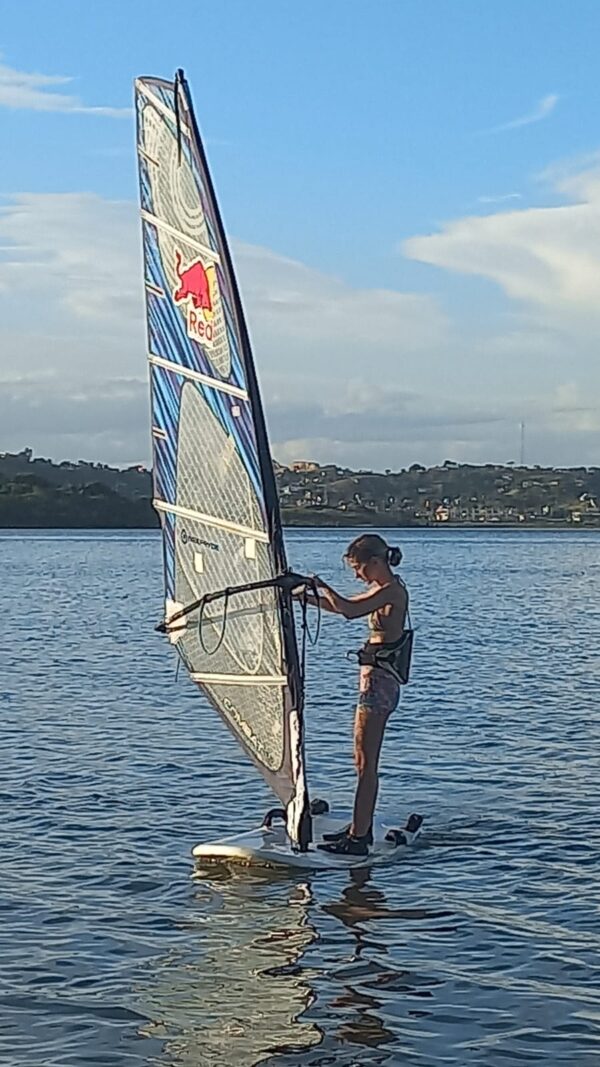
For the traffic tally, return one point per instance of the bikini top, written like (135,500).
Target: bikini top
(376,624)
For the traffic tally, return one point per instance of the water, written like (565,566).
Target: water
(482,947)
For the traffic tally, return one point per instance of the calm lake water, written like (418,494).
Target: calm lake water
(481,947)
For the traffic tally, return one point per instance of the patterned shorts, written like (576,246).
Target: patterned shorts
(379,693)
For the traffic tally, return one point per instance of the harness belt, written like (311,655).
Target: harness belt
(393,657)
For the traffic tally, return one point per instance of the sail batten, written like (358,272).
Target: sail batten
(204,249)
(213,383)
(211,520)
(278,680)
(214,486)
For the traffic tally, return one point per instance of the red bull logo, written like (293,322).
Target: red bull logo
(197,290)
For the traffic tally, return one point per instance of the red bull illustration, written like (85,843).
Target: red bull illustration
(197,290)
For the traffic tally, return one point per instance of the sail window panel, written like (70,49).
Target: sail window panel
(213,475)
(241,635)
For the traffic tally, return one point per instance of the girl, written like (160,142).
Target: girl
(385,602)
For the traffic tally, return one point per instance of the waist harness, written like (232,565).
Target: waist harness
(394,657)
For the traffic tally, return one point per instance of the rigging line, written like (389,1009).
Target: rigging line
(307,637)
(304,605)
(313,639)
(212,651)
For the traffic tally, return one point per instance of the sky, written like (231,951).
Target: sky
(412,193)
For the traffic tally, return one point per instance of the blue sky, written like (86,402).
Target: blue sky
(425,174)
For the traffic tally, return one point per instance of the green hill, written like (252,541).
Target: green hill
(36,492)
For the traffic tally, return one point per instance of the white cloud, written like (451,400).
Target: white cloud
(356,375)
(36,92)
(73,256)
(502,199)
(548,258)
(329,329)
(73,321)
(542,110)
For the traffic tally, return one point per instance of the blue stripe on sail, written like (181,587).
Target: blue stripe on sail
(165,454)
(166,396)
(166,392)
(165,95)
(145,185)
(168,522)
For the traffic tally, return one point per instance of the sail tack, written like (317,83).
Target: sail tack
(214,486)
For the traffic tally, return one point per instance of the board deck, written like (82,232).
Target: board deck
(270,847)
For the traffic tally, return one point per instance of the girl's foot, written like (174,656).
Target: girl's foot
(339,835)
(347,846)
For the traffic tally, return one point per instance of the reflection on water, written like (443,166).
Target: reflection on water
(363,1033)
(255,979)
(238,989)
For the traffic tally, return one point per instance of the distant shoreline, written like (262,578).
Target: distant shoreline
(36,493)
(531,525)
(438,526)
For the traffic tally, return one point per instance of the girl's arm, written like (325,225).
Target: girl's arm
(357,607)
(315,602)
(321,602)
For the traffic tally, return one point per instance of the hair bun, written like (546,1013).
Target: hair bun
(394,556)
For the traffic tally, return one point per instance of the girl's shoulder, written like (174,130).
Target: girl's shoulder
(395,588)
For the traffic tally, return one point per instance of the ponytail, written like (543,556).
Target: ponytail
(394,556)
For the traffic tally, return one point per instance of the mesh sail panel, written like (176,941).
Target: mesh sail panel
(246,635)
(214,487)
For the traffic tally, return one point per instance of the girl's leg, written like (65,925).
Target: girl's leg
(369,728)
(379,696)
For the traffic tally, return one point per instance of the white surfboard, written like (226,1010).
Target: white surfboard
(270,847)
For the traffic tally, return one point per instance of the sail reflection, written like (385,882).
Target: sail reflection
(235,990)
(268,971)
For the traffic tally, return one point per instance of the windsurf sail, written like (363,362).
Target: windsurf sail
(213,480)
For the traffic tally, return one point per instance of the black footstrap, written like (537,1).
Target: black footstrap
(274,813)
